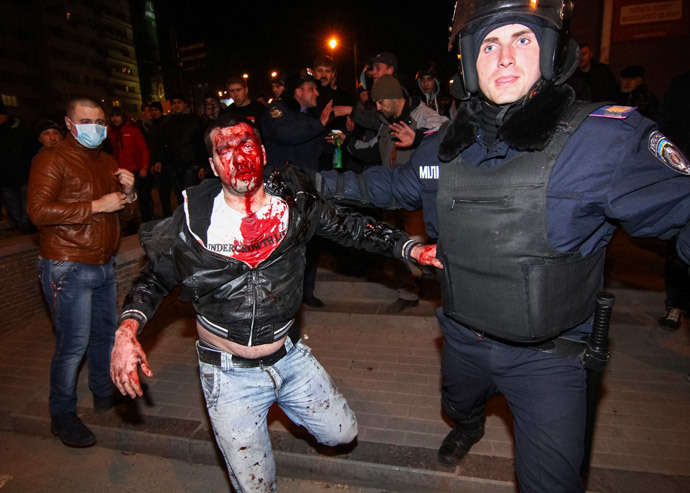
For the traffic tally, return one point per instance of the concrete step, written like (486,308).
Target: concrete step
(369,294)
(387,468)
(380,467)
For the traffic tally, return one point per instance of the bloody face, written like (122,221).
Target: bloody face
(238,159)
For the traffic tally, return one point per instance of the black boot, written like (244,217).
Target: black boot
(458,443)
(468,430)
(70,429)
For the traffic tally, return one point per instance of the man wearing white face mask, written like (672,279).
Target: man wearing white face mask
(75,192)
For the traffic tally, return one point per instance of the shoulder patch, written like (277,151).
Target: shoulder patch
(614,111)
(666,152)
(276,113)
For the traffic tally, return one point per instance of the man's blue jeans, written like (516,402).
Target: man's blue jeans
(82,300)
(238,400)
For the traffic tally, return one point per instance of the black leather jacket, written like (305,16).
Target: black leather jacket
(229,292)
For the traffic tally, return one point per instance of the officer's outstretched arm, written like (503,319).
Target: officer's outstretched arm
(378,186)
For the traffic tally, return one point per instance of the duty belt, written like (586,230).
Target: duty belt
(557,346)
(213,356)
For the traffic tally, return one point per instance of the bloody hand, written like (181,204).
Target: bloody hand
(127,354)
(426,255)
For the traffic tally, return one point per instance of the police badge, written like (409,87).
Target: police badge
(668,153)
(276,113)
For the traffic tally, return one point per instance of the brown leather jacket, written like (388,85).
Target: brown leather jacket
(63,182)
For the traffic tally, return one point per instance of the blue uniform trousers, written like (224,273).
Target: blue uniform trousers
(546,394)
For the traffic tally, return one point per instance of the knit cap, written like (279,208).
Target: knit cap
(44,125)
(386,87)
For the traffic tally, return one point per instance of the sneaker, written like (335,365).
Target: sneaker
(400,304)
(456,445)
(671,321)
(70,429)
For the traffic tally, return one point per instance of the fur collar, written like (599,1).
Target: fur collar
(529,129)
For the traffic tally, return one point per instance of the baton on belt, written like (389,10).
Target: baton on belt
(595,357)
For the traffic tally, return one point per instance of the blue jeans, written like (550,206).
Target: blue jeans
(546,394)
(238,400)
(82,300)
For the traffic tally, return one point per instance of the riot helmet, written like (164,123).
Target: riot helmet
(549,19)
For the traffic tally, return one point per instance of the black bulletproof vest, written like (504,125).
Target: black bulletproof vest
(501,276)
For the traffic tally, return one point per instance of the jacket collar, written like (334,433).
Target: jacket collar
(70,142)
(198,200)
(529,129)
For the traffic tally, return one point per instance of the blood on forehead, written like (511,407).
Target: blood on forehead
(234,135)
(231,139)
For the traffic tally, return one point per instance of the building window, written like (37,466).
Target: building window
(121,69)
(9,100)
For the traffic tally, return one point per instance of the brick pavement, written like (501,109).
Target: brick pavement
(388,368)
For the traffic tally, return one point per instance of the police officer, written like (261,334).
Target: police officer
(524,189)
(291,133)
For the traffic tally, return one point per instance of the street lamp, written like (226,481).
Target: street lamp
(333,43)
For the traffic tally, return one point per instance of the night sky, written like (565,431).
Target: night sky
(259,36)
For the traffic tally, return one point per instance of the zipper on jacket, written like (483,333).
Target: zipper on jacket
(252,284)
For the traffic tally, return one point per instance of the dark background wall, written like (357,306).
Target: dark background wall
(662,58)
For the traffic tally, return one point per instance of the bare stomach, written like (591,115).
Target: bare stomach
(251,352)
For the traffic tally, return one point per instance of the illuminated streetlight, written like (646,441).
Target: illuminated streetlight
(274,74)
(333,43)
(245,76)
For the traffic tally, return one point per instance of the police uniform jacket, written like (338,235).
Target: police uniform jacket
(611,172)
(289,135)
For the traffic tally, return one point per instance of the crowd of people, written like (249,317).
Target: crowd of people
(518,247)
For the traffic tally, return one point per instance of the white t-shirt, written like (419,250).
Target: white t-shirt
(249,238)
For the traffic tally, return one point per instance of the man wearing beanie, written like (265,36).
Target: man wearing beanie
(524,189)
(399,116)
(49,134)
(402,125)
